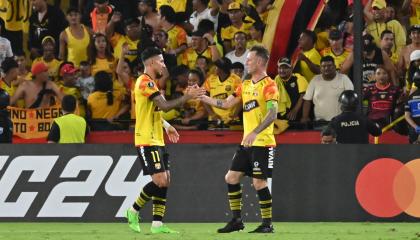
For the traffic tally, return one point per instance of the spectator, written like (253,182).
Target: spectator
(68,128)
(48,57)
(74,40)
(220,86)
(404,59)
(257,33)
(5,46)
(382,98)
(379,24)
(6,126)
(161,40)
(202,11)
(323,91)
(203,64)
(100,16)
(336,49)
(24,73)
(207,26)
(69,86)
(308,58)
(148,14)
(100,55)
(238,69)
(179,6)
(125,76)
(387,45)
(412,112)
(414,66)
(200,47)
(131,37)
(177,37)
(350,126)
(372,58)
(236,16)
(240,51)
(193,109)
(328,136)
(295,86)
(10,70)
(86,83)
(40,92)
(45,20)
(104,104)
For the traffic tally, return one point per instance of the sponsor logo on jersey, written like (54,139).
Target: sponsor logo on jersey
(248,106)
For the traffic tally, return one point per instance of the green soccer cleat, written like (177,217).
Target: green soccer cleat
(133,220)
(162,229)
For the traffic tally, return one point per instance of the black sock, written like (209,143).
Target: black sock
(145,195)
(159,204)
(265,205)
(235,199)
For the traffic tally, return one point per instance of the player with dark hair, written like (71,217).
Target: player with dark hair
(149,139)
(255,156)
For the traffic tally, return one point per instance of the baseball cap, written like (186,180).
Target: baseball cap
(379,4)
(234,6)
(38,68)
(415,55)
(197,33)
(68,69)
(335,34)
(224,63)
(48,38)
(285,61)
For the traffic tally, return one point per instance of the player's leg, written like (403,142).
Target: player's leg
(262,158)
(240,167)
(162,180)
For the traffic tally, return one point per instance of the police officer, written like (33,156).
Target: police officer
(69,128)
(6,131)
(350,126)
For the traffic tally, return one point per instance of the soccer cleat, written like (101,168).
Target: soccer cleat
(162,229)
(263,229)
(133,220)
(235,224)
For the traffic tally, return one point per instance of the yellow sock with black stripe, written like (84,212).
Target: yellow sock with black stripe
(264,196)
(145,195)
(159,204)
(235,199)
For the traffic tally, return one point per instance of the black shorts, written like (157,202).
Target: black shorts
(153,159)
(256,162)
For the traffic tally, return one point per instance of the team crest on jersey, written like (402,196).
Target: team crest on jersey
(228,88)
(151,85)
(293,85)
(157,165)
(248,106)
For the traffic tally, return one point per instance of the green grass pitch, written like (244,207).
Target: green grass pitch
(206,231)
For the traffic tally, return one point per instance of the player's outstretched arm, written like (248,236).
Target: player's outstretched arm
(227,103)
(190,93)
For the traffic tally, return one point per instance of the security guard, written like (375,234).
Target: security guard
(69,128)
(350,126)
(6,131)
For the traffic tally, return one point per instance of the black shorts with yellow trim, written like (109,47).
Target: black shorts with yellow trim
(255,162)
(153,159)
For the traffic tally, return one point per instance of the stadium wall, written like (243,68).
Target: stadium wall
(96,183)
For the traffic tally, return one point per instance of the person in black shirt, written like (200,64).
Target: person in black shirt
(6,125)
(412,111)
(350,126)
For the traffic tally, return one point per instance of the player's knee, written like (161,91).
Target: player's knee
(161,181)
(231,179)
(259,183)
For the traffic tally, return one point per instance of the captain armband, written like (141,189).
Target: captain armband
(272,104)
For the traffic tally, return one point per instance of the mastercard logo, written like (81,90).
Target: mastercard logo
(387,187)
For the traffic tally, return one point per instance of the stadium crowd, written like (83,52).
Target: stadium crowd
(90,49)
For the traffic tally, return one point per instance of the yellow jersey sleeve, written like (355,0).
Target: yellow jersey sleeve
(302,83)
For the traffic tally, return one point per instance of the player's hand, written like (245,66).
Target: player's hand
(172,134)
(418,129)
(194,91)
(249,139)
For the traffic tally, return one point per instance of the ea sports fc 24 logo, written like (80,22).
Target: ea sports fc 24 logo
(386,188)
